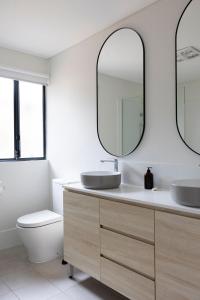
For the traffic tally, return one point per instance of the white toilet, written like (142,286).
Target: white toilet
(42,232)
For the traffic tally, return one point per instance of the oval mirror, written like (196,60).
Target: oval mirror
(120,92)
(188,76)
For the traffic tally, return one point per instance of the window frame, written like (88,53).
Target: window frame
(16,106)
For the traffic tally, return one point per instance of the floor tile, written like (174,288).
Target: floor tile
(63,284)
(22,278)
(3,289)
(60,296)
(80,276)
(56,273)
(13,253)
(9,266)
(40,291)
(9,296)
(51,269)
(91,289)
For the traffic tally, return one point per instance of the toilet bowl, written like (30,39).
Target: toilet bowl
(42,235)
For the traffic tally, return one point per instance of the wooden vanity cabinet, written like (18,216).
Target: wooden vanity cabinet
(142,253)
(177,257)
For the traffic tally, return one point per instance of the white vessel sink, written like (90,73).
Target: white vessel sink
(186,192)
(100,179)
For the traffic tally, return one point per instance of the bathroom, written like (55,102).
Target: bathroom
(67,67)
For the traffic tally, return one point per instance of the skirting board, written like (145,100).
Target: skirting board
(9,238)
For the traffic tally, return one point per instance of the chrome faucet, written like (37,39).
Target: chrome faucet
(115,161)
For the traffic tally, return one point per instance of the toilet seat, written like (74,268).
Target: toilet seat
(38,219)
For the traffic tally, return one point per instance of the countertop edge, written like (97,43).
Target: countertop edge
(176,209)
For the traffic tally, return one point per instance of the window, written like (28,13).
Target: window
(6,118)
(22,120)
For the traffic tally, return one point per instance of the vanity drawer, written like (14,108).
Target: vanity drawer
(127,251)
(126,282)
(128,219)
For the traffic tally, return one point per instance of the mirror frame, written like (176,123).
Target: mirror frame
(97,90)
(176,81)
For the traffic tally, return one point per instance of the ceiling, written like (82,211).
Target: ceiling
(47,27)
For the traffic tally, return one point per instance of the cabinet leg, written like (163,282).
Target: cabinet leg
(64,262)
(71,271)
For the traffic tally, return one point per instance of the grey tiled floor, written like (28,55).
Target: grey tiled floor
(22,280)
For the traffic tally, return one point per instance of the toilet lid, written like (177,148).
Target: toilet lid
(39,218)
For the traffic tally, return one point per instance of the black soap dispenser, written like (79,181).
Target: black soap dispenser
(148,179)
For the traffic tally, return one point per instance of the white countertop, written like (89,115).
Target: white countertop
(160,199)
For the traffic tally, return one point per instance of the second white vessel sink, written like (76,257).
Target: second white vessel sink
(101,179)
(186,192)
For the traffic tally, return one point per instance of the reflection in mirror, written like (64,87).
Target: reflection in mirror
(120,92)
(188,76)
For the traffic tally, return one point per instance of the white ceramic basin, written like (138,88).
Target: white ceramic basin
(100,180)
(186,192)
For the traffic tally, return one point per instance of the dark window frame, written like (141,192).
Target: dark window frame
(16,102)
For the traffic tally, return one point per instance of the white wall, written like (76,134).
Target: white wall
(72,139)
(26,183)
(26,190)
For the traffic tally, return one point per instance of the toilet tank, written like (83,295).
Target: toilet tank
(57,194)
